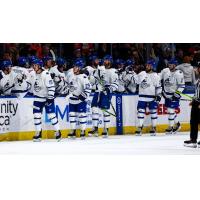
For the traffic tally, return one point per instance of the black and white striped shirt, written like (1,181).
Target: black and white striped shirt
(197,91)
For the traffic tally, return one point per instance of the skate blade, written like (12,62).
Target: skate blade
(71,137)
(152,134)
(37,140)
(82,138)
(190,145)
(93,135)
(174,132)
(104,136)
(138,134)
(59,139)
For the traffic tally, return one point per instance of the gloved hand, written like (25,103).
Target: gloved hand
(158,98)
(20,78)
(82,97)
(52,75)
(176,97)
(49,102)
(108,90)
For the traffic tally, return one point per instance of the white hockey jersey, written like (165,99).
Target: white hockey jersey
(104,78)
(21,78)
(130,79)
(172,82)
(59,80)
(6,83)
(44,87)
(149,86)
(79,85)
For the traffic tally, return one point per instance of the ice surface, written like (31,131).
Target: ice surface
(114,145)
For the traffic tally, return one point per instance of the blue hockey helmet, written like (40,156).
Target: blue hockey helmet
(108,57)
(151,62)
(31,58)
(173,61)
(5,64)
(93,57)
(46,58)
(130,62)
(38,62)
(60,61)
(23,62)
(79,63)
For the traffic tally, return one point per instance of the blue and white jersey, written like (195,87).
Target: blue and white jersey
(130,80)
(44,87)
(6,83)
(21,78)
(97,77)
(79,85)
(59,79)
(111,79)
(149,86)
(172,82)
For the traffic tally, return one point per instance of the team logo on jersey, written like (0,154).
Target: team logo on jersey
(7,85)
(37,87)
(168,82)
(144,84)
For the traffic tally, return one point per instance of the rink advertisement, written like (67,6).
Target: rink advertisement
(16,118)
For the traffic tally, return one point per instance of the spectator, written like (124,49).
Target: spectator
(188,71)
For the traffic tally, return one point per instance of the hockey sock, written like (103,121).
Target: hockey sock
(141,113)
(38,121)
(153,117)
(175,118)
(54,121)
(171,116)
(106,120)
(72,120)
(95,116)
(82,120)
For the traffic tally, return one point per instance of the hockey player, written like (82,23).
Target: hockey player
(6,79)
(23,85)
(80,89)
(44,90)
(149,96)
(119,65)
(173,81)
(106,82)
(48,62)
(58,75)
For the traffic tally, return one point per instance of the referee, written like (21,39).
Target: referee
(195,115)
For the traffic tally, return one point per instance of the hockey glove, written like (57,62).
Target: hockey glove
(49,102)
(53,75)
(176,97)
(82,97)
(108,90)
(158,99)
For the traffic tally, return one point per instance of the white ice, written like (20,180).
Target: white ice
(114,145)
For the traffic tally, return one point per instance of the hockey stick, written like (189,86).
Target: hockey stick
(53,54)
(188,96)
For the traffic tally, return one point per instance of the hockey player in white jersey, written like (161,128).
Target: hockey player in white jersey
(80,89)
(44,90)
(149,96)
(22,76)
(173,81)
(6,79)
(48,62)
(106,82)
(58,76)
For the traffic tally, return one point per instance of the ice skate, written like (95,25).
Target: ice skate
(198,144)
(169,130)
(82,135)
(58,136)
(190,143)
(176,128)
(93,132)
(72,135)
(37,137)
(138,132)
(105,133)
(153,131)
